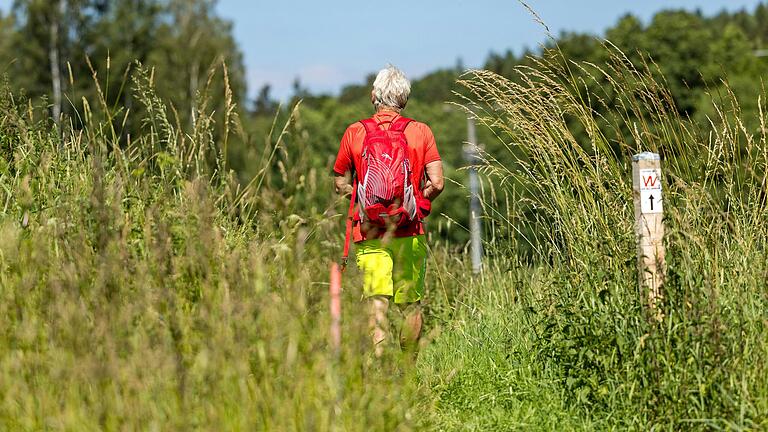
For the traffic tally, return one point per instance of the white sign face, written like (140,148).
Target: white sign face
(650,191)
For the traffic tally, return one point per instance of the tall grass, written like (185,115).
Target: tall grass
(143,287)
(704,365)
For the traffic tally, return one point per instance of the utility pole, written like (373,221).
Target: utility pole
(649,228)
(472,157)
(57,18)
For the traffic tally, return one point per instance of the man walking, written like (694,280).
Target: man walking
(390,166)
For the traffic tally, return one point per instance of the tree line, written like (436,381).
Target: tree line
(52,49)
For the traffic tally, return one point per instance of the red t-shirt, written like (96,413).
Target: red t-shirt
(422,150)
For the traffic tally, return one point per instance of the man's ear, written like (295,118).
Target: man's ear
(373,96)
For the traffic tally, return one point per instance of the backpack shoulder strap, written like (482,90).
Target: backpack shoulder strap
(400,124)
(370,125)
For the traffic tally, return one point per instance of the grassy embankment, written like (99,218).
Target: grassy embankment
(142,289)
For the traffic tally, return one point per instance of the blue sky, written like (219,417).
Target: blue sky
(334,42)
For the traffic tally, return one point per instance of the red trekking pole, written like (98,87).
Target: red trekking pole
(336,271)
(335,333)
(335,294)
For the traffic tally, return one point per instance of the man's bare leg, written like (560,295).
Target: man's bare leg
(377,322)
(410,332)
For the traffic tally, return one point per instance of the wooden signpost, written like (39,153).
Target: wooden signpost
(649,228)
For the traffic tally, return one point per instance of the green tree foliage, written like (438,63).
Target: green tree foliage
(192,42)
(6,41)
(694,53)
(182,41)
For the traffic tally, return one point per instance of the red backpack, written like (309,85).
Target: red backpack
(382,185)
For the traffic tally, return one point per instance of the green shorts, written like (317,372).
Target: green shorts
(394,267)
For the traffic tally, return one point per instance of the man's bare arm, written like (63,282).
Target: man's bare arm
(435,181)
(342,184)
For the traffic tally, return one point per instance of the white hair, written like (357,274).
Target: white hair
(391,88)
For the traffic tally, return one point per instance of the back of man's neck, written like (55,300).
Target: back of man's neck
(387,110)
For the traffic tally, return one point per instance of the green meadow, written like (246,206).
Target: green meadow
(167,268)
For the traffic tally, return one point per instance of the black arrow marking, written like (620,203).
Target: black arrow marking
(651,198)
